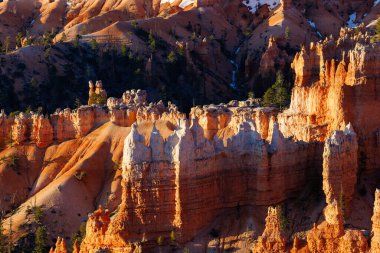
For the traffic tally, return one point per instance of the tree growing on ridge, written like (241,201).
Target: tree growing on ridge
(279,94)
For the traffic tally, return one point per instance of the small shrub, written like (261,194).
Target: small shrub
(159,240)
(80,175)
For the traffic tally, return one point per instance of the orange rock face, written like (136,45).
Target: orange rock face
(340,167)
(375,242)
(330,235)
(178,182)
(272,239)
(60,246)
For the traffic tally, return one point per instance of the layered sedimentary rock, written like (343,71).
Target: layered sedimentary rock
(340,168)
(69,124)
(336,84)
(272,239)
(191,177)
(240,154)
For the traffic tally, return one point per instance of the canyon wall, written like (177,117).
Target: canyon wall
(337,83)
(191,178)
(240,154)
(70,124)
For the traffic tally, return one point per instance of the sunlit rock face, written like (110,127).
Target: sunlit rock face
(340,167)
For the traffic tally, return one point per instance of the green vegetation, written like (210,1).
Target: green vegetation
(80,175)
(19,40)
(7,44)
(172,236)
(283,219)
(94,44)
(97,99)
(376,37)
(11,161)
(79,235)
(152,42)
(76,42)
(287,33)
(279,94)
(40,240)
(47,39)
(171,58)
(63,37)
(159,240)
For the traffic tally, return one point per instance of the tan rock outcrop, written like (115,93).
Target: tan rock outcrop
(330,236)
(375,242)
(70,124)
(273,59)
(334,86)
(42,131)
(20,129)
(272,239)
(97,94)
(60,246)
(340,168)
(161,176)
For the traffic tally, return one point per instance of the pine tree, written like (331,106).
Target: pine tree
(40,240)
(63,37)
(19,40)
(279,94)
(7,44)
(152,42)
(94,44)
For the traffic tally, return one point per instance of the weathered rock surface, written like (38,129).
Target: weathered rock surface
(330,236)
(178,182)
(340,168)
(375,242)
(272,239)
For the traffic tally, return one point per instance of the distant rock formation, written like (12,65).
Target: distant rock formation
(70,124)
(97,94)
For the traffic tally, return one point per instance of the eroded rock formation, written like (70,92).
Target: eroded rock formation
(161,175)
(272,239)
(330,236)
(69,124)
(375,242)
(60,246)
(340,168)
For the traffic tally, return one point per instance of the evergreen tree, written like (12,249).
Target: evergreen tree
(7,44)
(279,94)
(171,57)
(287,33)
(40,240)
(152,42)
(79,235)
(47,38)
(94,44)
(19,40)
